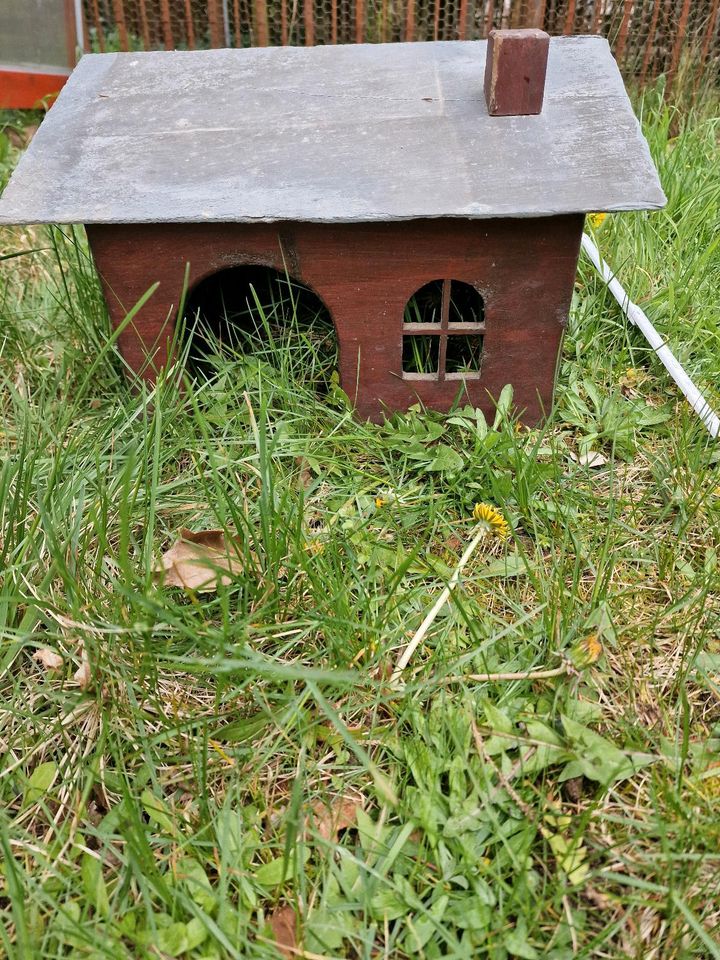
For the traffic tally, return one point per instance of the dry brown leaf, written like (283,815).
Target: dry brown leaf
(339,815)
(305,477)
(284,927)
(597,899)
(196,560)
(83,674)
(590,459)
(48,658)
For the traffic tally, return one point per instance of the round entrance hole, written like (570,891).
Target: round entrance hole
(260,312)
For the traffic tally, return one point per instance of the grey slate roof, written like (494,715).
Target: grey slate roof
(329,134)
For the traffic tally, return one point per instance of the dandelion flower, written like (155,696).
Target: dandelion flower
(380,502)
(596,219)
(492,520)
(586,651)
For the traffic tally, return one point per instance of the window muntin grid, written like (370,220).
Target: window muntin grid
(440,311)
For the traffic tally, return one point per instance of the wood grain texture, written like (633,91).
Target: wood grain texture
(261,23)
(365,274)
(410,21)
(309,22)
(144,24)
(119,14)
(166,21)
(215,24)
(515,69)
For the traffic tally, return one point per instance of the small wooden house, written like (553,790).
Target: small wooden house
(451,176)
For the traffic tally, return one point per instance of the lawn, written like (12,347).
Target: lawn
(199,773)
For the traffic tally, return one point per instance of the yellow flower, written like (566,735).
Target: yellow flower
(593,648)
(493,521)
(586,651)
(380,502)
(596,219)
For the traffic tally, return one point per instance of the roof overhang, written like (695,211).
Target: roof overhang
(342,134)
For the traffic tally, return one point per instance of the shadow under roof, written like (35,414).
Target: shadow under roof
(371,132)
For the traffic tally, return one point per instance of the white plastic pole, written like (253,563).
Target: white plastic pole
(226,22)
(637,316)
(79,38)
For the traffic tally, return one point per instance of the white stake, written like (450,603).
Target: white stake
(637,316)
(79,36)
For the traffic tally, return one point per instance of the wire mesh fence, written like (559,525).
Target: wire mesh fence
(649,37)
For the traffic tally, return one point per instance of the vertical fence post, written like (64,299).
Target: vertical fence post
(659,63)
(262,33)
(119,13)
(359,21)
(709,33)
(624,30)
(309,18)
(650,43)
(168,38)
(189,25)
(144,25)
(597,16)
(570,18)
(333,21)
(462,20)
(410,21)
(215,23)
(536,14)
(677,46)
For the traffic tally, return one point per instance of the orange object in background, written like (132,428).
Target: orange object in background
(39,44)
(28,89)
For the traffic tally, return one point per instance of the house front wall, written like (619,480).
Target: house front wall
(365,274)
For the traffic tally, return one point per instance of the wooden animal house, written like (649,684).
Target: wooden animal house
(431,195)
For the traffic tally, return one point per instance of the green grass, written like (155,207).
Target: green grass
(178,801)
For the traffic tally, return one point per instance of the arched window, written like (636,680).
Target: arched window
(260,310)
(443,330)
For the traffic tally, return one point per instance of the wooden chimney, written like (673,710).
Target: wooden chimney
(515,72)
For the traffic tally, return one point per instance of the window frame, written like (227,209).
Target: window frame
(443,330)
